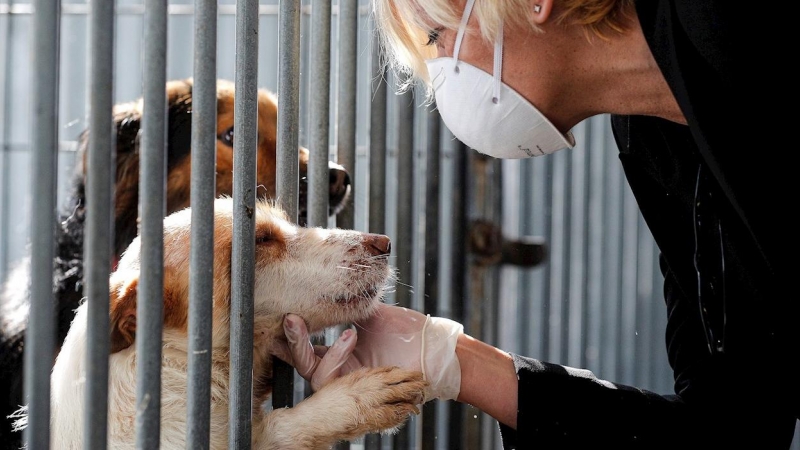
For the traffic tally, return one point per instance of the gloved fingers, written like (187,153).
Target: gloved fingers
(299,345)
(334,358)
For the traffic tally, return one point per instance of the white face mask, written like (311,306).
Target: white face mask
(486,114)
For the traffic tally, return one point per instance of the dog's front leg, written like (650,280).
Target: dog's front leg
(365,401)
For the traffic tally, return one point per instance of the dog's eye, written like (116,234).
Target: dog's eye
(227,137)
(263,238)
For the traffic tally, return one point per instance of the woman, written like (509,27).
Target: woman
(689,89)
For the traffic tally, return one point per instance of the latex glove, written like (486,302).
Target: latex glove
(392,336)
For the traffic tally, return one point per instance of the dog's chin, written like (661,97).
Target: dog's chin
(366,296)
(347,307)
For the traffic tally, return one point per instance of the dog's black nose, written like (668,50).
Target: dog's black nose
(377,244)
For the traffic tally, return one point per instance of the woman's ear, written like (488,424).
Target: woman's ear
(122,315)
(540,11)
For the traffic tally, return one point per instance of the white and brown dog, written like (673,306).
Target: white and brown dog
(328,277)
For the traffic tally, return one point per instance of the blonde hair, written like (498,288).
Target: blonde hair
(403,25)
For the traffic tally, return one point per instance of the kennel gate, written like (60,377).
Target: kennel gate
(461,223)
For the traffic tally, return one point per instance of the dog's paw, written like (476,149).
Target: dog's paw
(385,397)
(365,401)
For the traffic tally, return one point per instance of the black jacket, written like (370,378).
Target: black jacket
(717,199)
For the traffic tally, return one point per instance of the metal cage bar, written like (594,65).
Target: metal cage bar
(243,252)
(377,167)
(431,237)
(346,99)
(203,187)
(40,338)
(320,113)
(99,224)
(152,201)
(287,150)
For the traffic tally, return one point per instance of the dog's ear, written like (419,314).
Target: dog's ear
(122,315)
(122,310)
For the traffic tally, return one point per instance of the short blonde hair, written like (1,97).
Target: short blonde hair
(403,25)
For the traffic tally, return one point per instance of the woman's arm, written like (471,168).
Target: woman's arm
(488,379)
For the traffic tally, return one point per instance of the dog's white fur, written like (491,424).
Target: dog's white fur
(326,276)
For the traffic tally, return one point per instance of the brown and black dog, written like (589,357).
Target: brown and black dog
(68,262)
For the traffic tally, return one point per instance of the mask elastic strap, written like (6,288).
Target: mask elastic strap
(461,29)
(498,65)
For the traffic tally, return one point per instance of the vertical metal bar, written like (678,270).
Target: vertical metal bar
(431,305)
(318,173)
(643,334)
(319,124)
(526,229)
(576,266)
(377,168)
(560,244)
(597,231)
(6,52)
(346,103)
(203,186)
(99,219)
(377,144)
(40,337)
(150,303)
(612,248)
(346,113)
(627,324)
(288,166)
(458,283)
(405,221)
(244,198)
(484,204)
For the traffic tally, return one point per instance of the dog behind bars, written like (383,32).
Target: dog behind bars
(328,277)
(68,261)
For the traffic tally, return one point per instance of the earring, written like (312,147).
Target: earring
(537,8)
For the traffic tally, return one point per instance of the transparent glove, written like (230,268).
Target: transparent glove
(392,336)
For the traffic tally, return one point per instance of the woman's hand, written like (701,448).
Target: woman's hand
(392,336)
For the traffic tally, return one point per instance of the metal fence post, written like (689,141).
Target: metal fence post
(244,198)
(40,337)
(287,149)
(377,168)
(99,220)
(203,187)
(405,220)
(431,302)
(346,100)
(152,204)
